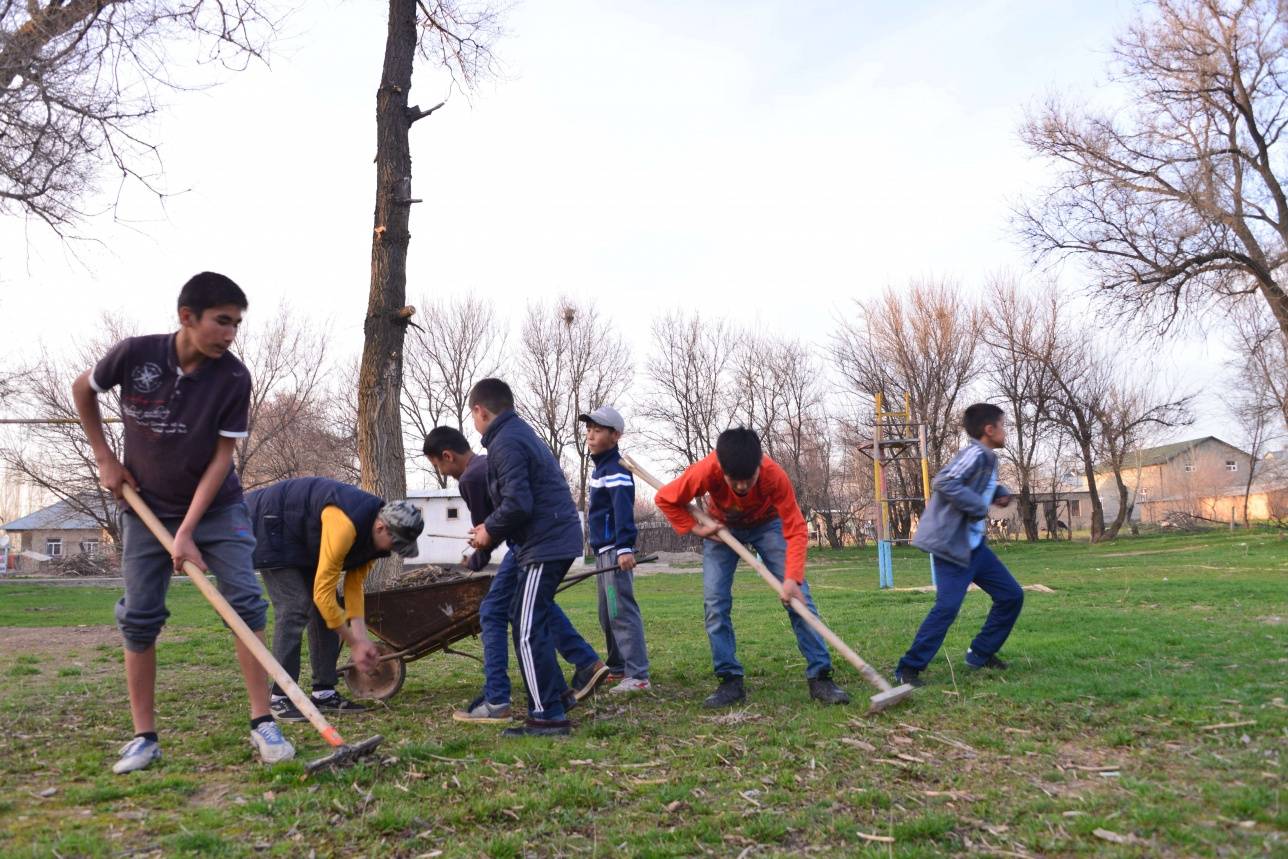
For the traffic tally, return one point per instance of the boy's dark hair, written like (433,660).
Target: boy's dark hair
(979,416)
(442,439)
(492,394)
(738,452)
(208,289)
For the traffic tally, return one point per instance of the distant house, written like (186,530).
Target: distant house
(57,531)
(1201,476)
(447,526)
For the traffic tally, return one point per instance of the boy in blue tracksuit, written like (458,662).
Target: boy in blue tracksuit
(610,527)
(534,512)
(449,451)
(952,532)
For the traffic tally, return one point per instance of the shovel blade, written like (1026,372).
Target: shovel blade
(885,700)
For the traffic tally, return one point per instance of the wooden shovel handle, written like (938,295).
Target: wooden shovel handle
(234,621)
(869,673)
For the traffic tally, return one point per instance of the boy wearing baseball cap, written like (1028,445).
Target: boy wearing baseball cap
(610,529)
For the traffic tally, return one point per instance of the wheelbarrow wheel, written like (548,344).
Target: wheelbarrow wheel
(380,685)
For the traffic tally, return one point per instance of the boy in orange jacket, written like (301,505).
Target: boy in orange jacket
(749,494)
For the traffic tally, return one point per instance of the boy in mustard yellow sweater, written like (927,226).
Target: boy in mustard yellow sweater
(311,535)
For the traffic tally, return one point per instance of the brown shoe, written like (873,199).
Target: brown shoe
(588,679)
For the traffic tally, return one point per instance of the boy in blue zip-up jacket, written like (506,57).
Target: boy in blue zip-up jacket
(610,527)
(952,532)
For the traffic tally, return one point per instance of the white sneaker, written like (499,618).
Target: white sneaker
(139,753)
(629,685)
(268,742)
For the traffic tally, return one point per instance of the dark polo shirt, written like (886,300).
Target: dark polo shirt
(173,422)
(473,488)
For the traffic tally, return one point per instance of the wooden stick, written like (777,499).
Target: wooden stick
(234,621)
(869,673)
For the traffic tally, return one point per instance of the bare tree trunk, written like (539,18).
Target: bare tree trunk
(1028,514)
(1124,506)
(380,441)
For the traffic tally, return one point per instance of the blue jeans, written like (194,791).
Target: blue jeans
(494,617)
(227,544)
(718,565)
(951,582)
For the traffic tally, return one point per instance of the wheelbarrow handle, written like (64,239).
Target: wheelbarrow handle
(581,577)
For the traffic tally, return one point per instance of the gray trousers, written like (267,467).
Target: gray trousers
(619,615)
(291,591)
(226,542)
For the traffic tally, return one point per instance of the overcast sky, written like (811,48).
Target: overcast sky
(766,161)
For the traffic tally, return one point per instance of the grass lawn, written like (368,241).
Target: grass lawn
(1103,739)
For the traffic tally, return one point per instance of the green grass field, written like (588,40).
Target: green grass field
(1103,739)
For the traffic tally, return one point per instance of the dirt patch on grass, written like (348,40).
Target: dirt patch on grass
(56,642)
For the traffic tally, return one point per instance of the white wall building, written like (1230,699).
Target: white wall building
(447,524)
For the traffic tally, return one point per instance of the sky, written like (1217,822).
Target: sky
(763,161)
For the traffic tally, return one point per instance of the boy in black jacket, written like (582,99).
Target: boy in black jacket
(449,452)
(610,527)
(534,511)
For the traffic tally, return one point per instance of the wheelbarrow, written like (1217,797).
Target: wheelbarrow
(412,622)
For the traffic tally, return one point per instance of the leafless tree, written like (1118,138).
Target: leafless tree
(922,340)
(287,359)
(1130,414)
(1260,382)
(340,420)
(689,398)
(1080,382)
(458,38)
(460,343)
(79,78)
(1021,330)
(777,388)
(1177,202)
(571,360)
(55,457)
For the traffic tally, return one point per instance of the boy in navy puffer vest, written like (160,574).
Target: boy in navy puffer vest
(312,533)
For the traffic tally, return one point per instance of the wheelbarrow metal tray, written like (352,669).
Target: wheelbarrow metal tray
(423,618)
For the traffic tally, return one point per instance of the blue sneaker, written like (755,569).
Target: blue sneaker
(138,754)
(268,742)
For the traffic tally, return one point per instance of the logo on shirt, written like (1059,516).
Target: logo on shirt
(146,378)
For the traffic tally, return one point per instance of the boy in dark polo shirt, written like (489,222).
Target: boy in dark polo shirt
(185,400)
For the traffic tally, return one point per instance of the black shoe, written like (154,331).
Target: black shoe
(284,710)
(587,680)
(728,693)
(337,703)
(910,676)
(540,728)
(992,662)
(821,688)
(570,701)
